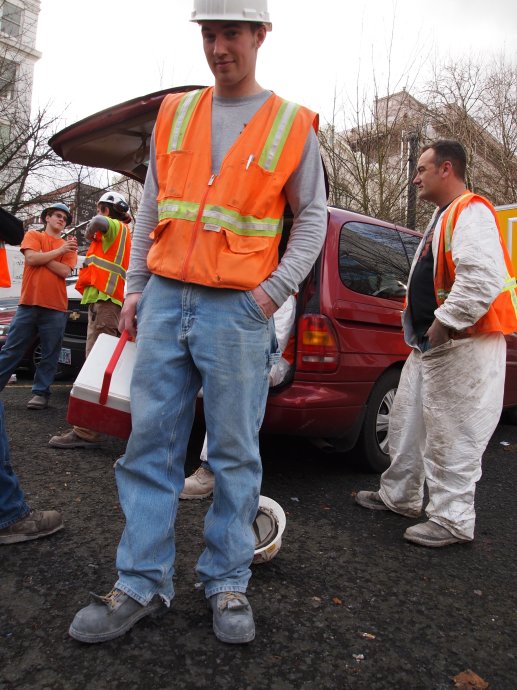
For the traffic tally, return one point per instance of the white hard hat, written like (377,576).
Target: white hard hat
(269,525)
(116,200)
(231,10)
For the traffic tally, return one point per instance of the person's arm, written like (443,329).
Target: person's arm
(147,219)
(34,258)
(98,223)
(306,195)
(479,265)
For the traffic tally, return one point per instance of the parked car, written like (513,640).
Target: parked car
(349,348)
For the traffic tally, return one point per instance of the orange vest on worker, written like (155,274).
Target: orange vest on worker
(5,278)
(107,270)
(223,230)
(502,314)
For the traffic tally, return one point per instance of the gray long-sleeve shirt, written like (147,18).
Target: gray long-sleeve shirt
(305,193)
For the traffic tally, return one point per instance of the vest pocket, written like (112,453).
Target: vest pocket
(174,168)
(244,244)
(253,191)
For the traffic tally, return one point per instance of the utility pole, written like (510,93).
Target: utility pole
(412,140)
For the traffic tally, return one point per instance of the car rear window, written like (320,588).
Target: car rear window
(373,260)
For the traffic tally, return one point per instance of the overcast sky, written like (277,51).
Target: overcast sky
(101,52)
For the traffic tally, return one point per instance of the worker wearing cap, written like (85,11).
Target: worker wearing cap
(204,282)
(42,310)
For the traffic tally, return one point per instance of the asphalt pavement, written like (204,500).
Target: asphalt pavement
(346,604)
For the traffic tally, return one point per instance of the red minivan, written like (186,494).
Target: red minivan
(348,344)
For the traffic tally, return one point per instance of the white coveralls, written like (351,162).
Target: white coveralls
(449,398)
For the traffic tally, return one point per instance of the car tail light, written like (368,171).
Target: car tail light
(317,348)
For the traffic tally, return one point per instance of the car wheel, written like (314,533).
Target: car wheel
(374,434)
(36,359)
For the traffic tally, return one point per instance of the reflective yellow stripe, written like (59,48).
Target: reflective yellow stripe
(448,228)
(221,216)
(105,265)
(181,119)
(510,286)
(278,134)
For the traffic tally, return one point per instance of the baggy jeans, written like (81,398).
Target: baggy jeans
(28,322)
(191,336)
(446,409)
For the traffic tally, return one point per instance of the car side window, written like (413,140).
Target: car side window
(373,260)
(411,243)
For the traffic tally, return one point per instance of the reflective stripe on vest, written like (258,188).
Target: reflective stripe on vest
(182,118)
(218,215)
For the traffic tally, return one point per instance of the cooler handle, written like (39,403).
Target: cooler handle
(106,381)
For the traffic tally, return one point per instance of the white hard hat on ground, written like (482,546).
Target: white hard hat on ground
(269,525)
(231,10)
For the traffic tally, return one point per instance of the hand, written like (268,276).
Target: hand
(264,301)
(127,321)
(70,245)
(437,333)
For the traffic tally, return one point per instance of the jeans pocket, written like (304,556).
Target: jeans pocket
(255,306)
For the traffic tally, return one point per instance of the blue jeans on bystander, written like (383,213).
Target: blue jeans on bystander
(28,322)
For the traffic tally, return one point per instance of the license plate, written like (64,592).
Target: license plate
(65,356)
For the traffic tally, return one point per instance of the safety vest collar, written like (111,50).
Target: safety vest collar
(269,156)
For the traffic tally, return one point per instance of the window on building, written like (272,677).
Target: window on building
(7,78)
(373,261)
(10,19)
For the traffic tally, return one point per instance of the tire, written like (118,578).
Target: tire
(36,359)
(373,440)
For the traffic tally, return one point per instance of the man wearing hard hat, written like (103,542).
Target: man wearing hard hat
(224,162)
(18,522)
(42,310)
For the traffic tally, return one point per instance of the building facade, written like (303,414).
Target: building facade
(18,55)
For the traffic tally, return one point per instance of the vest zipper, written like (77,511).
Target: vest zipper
(196,228)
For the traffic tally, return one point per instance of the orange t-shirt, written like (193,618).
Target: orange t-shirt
(41,287)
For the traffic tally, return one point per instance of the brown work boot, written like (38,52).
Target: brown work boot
(71,440)
(198,485)
(38,523)
(37,402)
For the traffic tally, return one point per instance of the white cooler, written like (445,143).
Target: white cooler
(99,399)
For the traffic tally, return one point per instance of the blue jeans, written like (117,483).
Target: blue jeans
(12,502)
(28,322)
(191,336)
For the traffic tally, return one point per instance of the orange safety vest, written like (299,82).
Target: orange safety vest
(502,313)
(5,278)
(106,271)
(223,230)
